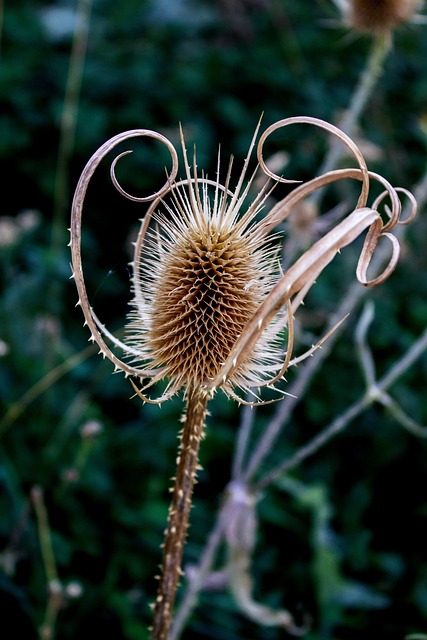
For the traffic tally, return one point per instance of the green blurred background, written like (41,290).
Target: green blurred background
(344,538)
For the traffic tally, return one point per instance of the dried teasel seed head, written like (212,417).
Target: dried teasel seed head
(380,16)
(200,279)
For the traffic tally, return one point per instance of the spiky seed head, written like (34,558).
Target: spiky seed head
(205,292)
(380,16)
(201,277)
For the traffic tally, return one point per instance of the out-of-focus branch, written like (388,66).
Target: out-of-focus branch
(69,119)
(377,390)
(298,388)
(372,72)
(17,408)
(54,586)
(195,585)
(242,440)
(374,393)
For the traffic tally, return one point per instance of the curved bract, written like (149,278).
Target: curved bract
(210,302)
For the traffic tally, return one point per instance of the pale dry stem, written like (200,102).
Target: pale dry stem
(69,119)
(54,586)
(342,421)
(381,47)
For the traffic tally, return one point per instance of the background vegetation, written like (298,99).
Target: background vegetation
(342,537)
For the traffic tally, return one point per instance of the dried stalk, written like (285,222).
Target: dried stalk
(54,586)
(195,585)
(69,120)
(179,511)
(381,47)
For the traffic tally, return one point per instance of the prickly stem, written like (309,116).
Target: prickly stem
(179,510)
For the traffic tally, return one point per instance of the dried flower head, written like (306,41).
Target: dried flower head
(199,277)
(380,16)
(210,302)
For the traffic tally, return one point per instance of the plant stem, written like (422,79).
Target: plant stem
(1,23)
(41,386)
(374,67)
(54,602)
(375,64)
(44,535)
(246,423)
(342,421)
(203,569)
(69,121)
(179,510)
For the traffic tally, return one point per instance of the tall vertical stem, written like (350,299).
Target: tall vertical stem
(179,511)
(69,121)
(1,23)
(363,92)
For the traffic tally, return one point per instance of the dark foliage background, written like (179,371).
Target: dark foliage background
(344,537)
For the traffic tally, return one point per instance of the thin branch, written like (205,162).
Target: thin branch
(54,587)
(338,425)
(69,119)
(402,365)
(297,389)
(18,407)
(380,49)
(401,417)
(243,435)
(363,351)
(341,422)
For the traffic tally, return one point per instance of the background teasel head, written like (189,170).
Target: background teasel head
(379,16)
(210,302)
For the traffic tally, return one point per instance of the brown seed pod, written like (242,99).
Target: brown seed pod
(380,16)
